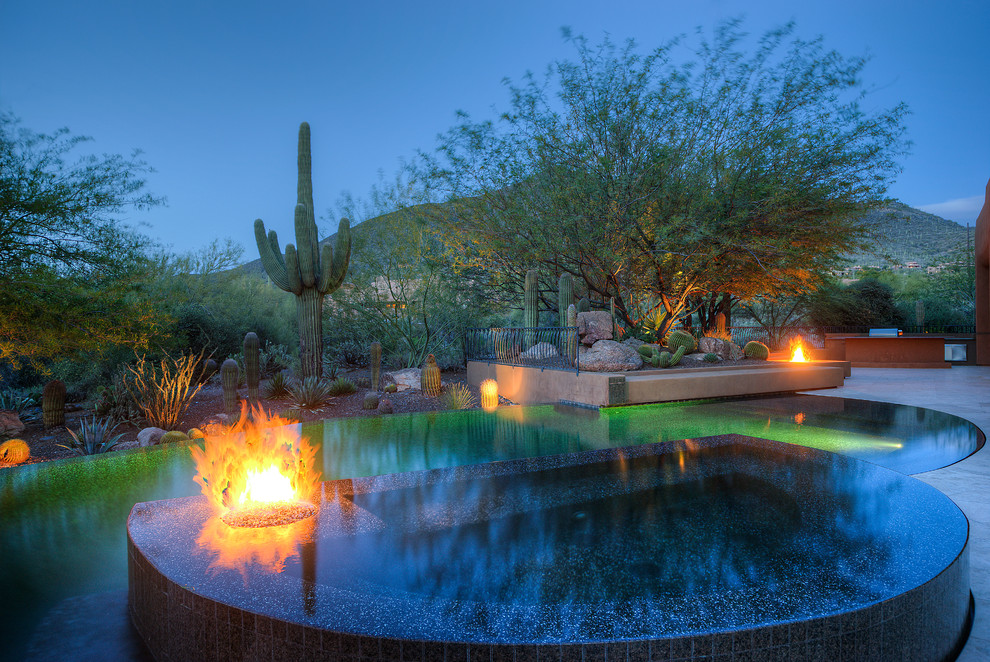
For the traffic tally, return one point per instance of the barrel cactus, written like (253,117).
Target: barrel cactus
(756,350)
(370,401)
(252,362)
(306,271)
(679,338)
(565,296)
(376,364)
(53,403)
(229,374)
(583,306)
(174,436)
(14,451)
(430,377)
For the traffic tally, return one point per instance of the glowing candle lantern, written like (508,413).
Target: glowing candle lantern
(489,395)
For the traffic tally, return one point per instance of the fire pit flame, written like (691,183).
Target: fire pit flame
(798,356)
(261,473)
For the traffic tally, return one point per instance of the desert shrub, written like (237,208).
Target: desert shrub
(113,401)
(342,386)
(163,391)
(310,393)
(94,436)
(273,359)
(458,396)
(19,401)
(278,387)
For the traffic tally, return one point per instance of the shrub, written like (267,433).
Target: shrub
(458,396)
(310,393)
(115,402)
(163,392)
(278,387)
(93,436)
(342,386)
(18,401)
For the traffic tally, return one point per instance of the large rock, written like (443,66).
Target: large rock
(405,380)
(10,423)
(149,436)
(610,356)
(594,326)
(726,350)
(541,350)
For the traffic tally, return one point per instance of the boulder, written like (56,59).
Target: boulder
(594,326)
(10,423)
(150,436)
(541,350)
(726,350)
(408,379)
(610,356)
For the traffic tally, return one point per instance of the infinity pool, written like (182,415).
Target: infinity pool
(62,524)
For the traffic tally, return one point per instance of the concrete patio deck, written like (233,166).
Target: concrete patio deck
(963,391)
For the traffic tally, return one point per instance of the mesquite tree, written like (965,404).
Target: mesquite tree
(306,272)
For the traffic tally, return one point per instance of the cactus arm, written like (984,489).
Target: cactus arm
(304,161)
(271,258)
(292,270)
(333,263)
(276,250)
(304,251)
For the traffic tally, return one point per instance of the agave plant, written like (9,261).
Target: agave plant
(17,401)
(94,436)
(458,396)
(342,386)
(278,387)
(310,393)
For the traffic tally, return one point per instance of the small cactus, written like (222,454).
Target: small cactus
(14,451)
(195,433)
(174,436)
(252,351)
(531,305)
(711,357)
(668,360)
(229,374)
(385,406)
(391,388)
(754,349)
(679,338)
(376,364)
(370,401)
(430,377)
(53,403)
(565,296)
(584,306)
(572,336)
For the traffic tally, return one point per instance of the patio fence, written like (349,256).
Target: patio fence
(544,347)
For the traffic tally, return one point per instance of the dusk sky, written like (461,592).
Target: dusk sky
(213,92)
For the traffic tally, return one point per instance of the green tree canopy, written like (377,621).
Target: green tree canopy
(69,268)
(736,171)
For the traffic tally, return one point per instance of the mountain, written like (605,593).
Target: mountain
(903,234)
(906,234)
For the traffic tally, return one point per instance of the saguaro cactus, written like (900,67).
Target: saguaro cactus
(565,296)
(531,301)
(53,403)
(306,272)
(229,373)
(376,364)
(252,360)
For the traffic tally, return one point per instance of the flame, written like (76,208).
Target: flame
(236,548)
(799,417)
(798,356)
(489,395)
(262,459)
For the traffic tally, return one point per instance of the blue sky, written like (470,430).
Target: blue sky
(213,92)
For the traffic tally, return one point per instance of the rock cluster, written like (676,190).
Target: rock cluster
(610,356)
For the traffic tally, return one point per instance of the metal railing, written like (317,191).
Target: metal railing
(544,347)
(781,339)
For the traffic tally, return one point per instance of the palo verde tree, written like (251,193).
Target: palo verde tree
(306,272)
(70,270)
(732,174)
